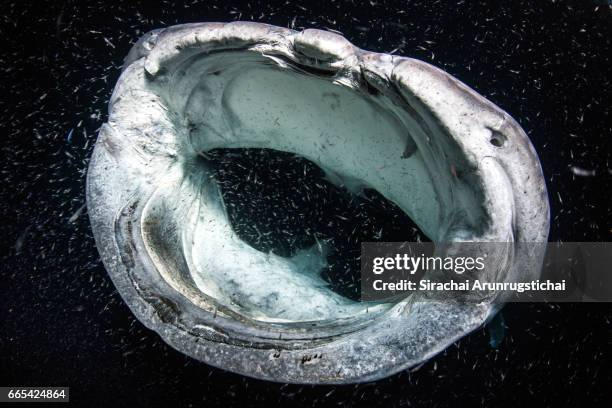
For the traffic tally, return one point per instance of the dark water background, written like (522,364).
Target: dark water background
(548,63)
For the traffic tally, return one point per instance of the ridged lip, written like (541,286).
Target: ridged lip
(394,343)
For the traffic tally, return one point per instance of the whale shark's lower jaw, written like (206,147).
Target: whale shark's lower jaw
(460,167)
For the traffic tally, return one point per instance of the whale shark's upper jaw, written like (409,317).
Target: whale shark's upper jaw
(459,166)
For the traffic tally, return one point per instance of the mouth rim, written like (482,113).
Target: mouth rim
(385,346)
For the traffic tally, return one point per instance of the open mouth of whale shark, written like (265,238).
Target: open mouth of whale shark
(246,101)
(239,159)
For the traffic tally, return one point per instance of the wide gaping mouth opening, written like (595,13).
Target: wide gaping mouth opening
(282,174)
(285,206)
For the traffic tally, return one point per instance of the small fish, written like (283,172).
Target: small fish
(578,171)
(205,155)
(106,40)
(69,137)
(21,240)
(77,214)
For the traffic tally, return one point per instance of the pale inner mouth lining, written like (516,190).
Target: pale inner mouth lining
(243,100)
